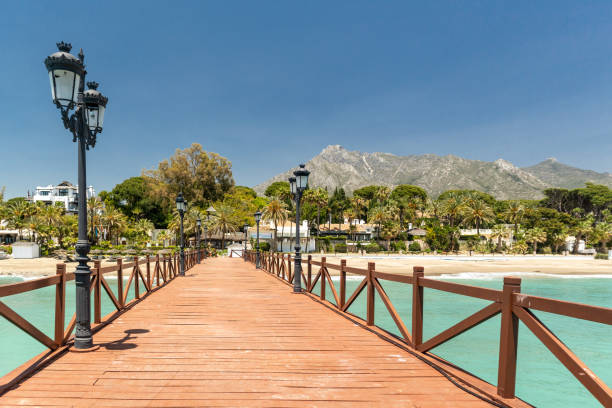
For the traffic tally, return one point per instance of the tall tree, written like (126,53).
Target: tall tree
(276,212)
(201,176)
(478,212)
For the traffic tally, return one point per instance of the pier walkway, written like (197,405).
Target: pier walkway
(230,335)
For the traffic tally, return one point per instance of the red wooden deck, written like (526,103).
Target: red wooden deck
(230,335)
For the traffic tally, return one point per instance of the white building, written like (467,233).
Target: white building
(65,193)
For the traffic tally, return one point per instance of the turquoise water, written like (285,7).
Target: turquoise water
(38,307)
(541,379)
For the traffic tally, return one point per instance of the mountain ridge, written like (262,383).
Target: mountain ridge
(336,166)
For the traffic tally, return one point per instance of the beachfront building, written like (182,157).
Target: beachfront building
(356,230)
(285,235)
(7,236)
(488,233)
(65,193)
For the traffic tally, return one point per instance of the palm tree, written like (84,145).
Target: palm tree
(581,230)
(499,232)
(514,214)
(535,235)
(382,194)
(603,233)
(224,221)
(94,207)
(17,214)
(359,205)
(378,215)
(318,197)
(478,212)
(115,221)
(277,213)
(558,238)
(452,208)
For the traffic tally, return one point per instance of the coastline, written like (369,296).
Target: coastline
(438,265)
(435,265)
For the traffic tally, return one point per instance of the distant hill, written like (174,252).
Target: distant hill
(337,167)
(557,174)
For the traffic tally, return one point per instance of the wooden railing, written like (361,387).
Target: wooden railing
(150,272)
(509,302)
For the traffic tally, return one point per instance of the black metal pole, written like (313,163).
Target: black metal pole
(198,242)
(182,270)
(297,276)
(82,335)
(257,255)
(246,236)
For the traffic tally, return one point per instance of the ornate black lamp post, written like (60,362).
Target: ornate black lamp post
(298,185)
(209,211)
(181,206)
(246,237)
(199,225)
(67,77)
(257,254)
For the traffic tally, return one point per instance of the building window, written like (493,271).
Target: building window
(63,193)
(44,193)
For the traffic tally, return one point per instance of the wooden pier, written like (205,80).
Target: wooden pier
(230,335)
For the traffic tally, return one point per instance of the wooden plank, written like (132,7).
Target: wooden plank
(560,307)
(26,286)
(466,290)
(393,277)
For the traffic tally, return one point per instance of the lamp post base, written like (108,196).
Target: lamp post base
(85,350)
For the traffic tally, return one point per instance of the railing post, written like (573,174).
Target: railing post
(506,375)
(97,293)
(289,275)
(157,268)
(136,271)
(164,270)
(120,282)
(342,283)
(322,277)
(309,272)
(148,271)
(417,306)
(60,303)
(370,294)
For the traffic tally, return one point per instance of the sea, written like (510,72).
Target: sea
(541,379)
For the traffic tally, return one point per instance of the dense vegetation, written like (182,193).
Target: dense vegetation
(133,208)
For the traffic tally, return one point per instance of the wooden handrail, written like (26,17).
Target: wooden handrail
(62,334)
(512,305)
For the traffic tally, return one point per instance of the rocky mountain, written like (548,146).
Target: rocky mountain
(337,167)
(557,174)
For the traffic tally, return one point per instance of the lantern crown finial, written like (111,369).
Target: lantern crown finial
(93,85)
(63,46)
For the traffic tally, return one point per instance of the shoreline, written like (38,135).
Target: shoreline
(435,265)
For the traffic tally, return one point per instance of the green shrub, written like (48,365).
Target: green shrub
(601,256)
(340,248)
(398,246)
(372,248)
(414,247)
(264,246)
(8,249)
(547,251)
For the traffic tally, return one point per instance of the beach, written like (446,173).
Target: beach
(33,268)
(436,265)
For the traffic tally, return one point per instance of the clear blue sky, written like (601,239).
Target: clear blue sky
(268,84)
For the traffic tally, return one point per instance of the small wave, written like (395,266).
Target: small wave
(499,275)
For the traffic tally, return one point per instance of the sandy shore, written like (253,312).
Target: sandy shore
(453,264)
(37,267)
(434,265)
